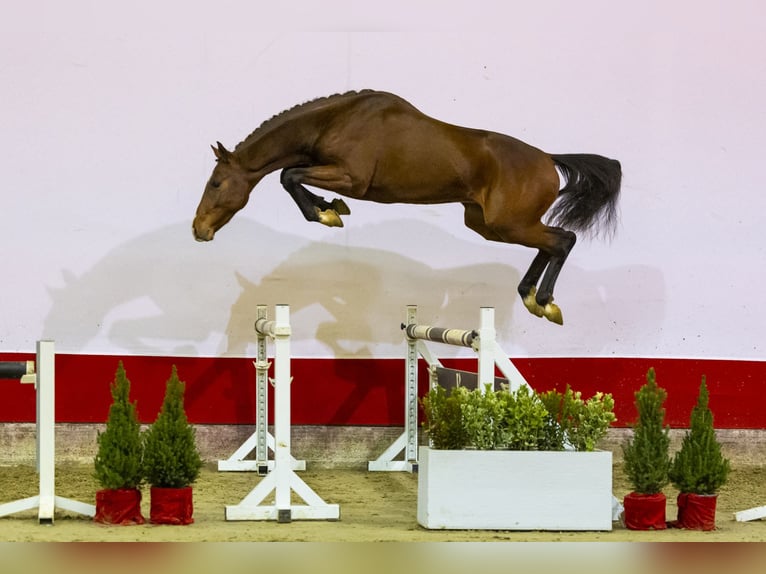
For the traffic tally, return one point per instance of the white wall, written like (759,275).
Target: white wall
(108,110)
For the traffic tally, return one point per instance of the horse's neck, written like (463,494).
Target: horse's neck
(281,143)
(269,152)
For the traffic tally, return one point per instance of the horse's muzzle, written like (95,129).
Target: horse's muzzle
(202,235)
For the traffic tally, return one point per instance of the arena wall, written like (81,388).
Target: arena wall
(108,113)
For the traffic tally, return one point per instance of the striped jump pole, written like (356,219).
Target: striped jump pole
(17,370)
(490,355)
(458,337)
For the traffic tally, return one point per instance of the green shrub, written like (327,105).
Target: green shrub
(582,422)
(555,434)
(443,417)
(171,458)
(118,460)
(645,454)
(518,420)
(699,467)
(482,415)
(524,420)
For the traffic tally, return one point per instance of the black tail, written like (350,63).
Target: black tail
(588,201)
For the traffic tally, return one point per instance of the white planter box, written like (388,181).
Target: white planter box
(514,490)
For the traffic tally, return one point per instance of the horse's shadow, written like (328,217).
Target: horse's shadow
(164,294)
(358,297)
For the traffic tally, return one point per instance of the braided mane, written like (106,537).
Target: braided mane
(287,114)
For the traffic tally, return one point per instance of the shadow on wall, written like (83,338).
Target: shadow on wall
(165,294)
(358,297)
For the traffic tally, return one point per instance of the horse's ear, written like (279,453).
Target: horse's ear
(221,153)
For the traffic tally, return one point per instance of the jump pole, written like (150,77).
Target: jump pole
(42,374)
(490,355)
(751,514)
(282,480)
(261,441)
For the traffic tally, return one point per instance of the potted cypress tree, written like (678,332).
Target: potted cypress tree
(647,460)
(118,461)
(171,460)
(699,468)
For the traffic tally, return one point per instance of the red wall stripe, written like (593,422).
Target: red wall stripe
(371,391)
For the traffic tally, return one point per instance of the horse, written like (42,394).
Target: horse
(376,146)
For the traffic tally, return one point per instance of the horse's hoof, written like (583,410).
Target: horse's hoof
(553,314)
(531,303)
(330,218)
(340,207)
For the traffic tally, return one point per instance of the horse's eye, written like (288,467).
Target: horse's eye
(215,183)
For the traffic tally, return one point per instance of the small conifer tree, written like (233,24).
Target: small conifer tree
(699,467)
(646,455)
(118,461)
(171,458)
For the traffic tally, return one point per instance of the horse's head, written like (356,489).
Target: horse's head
(226,192)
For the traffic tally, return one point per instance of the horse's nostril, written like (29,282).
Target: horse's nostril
(202,236)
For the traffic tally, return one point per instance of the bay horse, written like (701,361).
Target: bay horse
(376,146)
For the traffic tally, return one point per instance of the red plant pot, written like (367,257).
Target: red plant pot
(171,505)
(645,511)
(118,506)
(696,511)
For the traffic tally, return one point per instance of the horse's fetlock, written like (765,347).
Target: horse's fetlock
(543,298)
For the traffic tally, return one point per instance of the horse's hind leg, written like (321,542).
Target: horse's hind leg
(549,260)
(528,285)
(474,219)
(553,244)
(543,297)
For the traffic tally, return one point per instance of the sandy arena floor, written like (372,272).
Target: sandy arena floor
(373,507)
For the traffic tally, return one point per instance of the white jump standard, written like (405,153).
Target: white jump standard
(489,355)
(261,441)
(282,480)
(42,374)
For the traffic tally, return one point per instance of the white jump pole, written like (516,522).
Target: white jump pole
(261,441)
(282,480)
(46,501)
(489,354)
(756,513)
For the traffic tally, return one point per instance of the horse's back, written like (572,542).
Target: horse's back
(408,132)
(403,155)
(400,154)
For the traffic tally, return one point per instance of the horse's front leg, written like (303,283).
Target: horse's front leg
(312,206)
